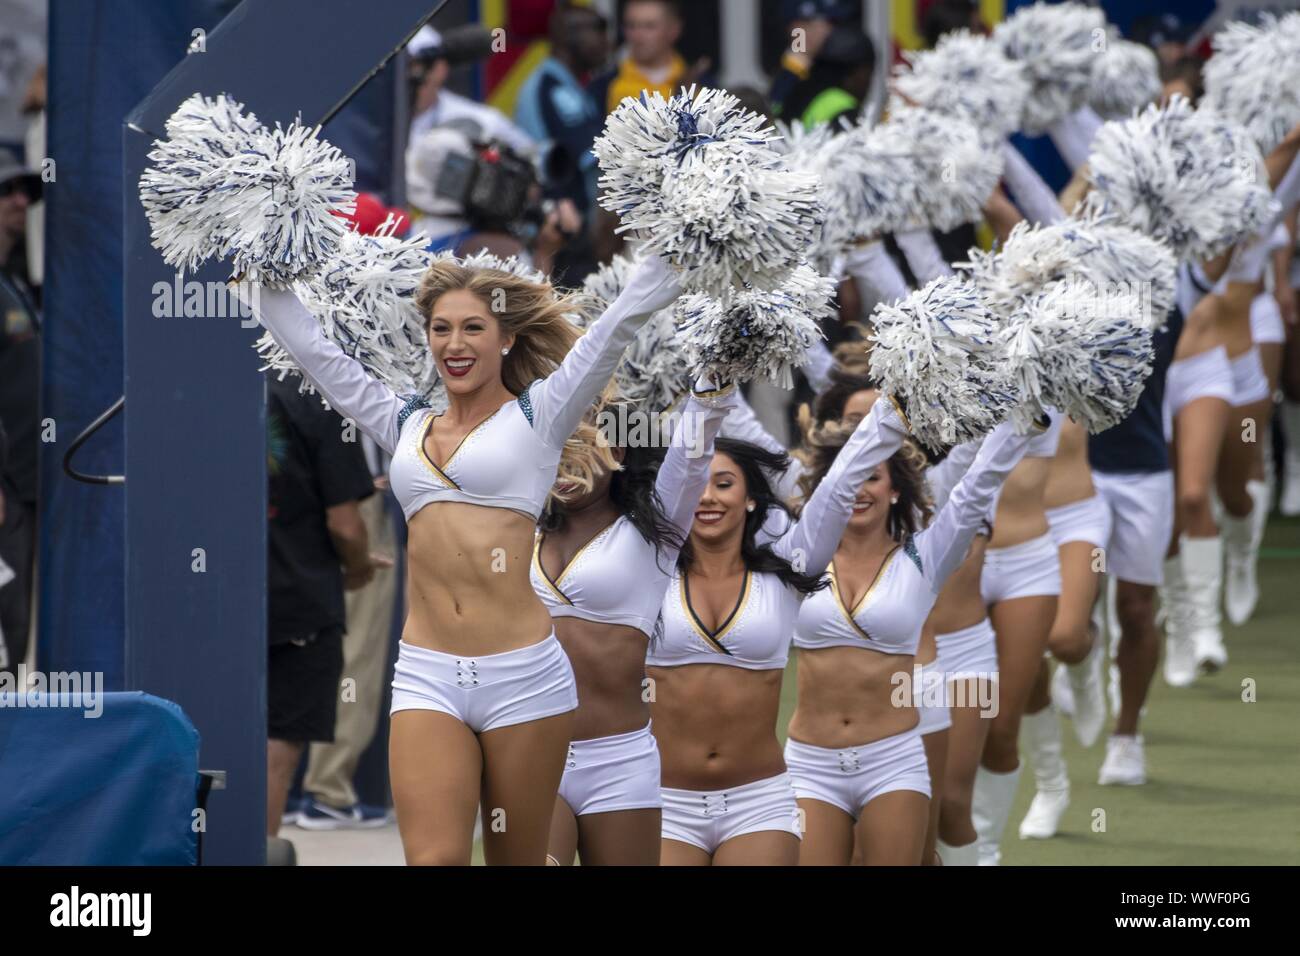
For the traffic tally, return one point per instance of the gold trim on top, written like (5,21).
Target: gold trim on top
(440,471)
(554,583)
(714,639)
(851,616)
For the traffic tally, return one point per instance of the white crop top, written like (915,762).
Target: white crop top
(757,633)
(618,577)
(889,615)
(510,459)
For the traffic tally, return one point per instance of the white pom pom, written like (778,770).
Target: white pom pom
(1116,262)
(510,264)
(1188,178)
(954,169)
(1125,77)
(940,352)
(654,371)
(755,333)
(874,183)
(179,191)
(222,186)
(364,300)
(281,204)
(1079,354)
(697,179)
(1253,78)
(968,76)
(1056,44)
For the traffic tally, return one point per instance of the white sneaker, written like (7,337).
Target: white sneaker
(1180,659)
(1125,762)
(1089,701)
(1208,651)
(1044,814)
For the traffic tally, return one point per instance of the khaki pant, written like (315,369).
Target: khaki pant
(330,767)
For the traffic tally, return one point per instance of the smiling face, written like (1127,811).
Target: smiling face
(466,340)
(721,512)
(871,506)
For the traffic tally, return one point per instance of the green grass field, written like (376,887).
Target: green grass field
(1223,776)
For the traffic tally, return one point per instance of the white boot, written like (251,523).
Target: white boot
(1289,502)
(990,807)
(1241,539)
(1180,653)
(1040,734)
(1062,691)
(1203,572)
(1086,694)
(967,855)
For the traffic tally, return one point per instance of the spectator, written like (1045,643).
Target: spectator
(333,803)
(436,106)
(945,16)
(318,547)
(650,61)
(838,81)
(810,22)
(558,112)
(20,369)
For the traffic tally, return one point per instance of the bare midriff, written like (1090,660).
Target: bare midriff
(467,582)
(716,725)
(1021,515)
(609,666)
(1069,479)
(849,696)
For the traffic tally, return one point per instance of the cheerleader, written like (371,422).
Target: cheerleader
(604,552)
(483,695)
(1080,527)
(727,620)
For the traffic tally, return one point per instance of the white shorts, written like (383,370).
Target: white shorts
(930,697)
(970,652)
(852,778)
(612,773)
(1248,378)
(494,690)
(1087,520)
(1266,324)
(1030,569)
(709,819)
(1142,521)
(1208,375)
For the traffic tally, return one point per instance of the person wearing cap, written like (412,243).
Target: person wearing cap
(838,81)
(20,361)
(434,105)
(809,23)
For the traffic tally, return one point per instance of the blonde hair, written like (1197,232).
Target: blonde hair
(586,453)
(533,312)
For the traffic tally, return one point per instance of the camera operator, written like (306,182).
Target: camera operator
(467,196)
(433,56)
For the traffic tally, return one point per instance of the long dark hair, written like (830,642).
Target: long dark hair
(914,507)
(632,490)
(755,465)
(829,405)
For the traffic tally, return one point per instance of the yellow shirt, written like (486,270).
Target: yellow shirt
(630,81)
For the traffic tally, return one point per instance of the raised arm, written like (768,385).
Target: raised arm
(811,541)
(944,545)
(344,381)
(944,476)
(684,473)
(871,268)
(923,255)
(817,369)
(561,399)
(1072,135)
(1035,199)
(743,425)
